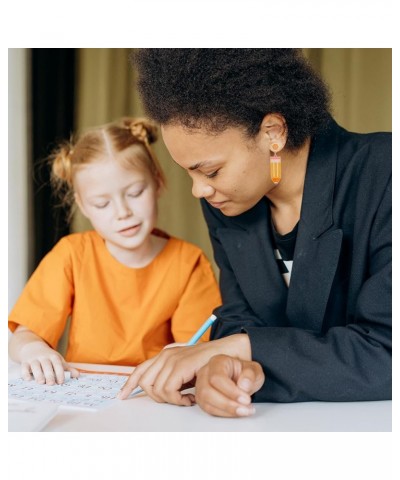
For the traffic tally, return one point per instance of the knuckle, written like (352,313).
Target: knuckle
(214,379)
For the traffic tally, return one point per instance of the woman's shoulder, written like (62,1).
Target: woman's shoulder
(365,154)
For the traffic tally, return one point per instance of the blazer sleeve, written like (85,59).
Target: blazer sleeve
(235,314)
(347,363)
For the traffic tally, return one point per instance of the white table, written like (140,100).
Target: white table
(141,414)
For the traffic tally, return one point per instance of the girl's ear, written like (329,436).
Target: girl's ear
(80,204)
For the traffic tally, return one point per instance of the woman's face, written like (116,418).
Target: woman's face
(229,170)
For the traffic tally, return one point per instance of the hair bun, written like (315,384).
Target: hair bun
(143,129)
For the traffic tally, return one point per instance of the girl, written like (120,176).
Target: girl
(128,288)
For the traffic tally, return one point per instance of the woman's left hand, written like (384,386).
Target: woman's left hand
(224,386)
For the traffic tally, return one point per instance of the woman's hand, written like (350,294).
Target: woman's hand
(45,364)
(175,368)
(225,384)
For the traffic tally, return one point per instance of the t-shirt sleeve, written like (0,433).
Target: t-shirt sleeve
(46,301)
(200,297)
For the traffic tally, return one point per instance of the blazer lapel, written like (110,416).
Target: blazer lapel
(250,252)
(318,244)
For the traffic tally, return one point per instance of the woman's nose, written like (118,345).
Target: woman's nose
(201,189)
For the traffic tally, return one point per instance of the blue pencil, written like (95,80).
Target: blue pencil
(196,337)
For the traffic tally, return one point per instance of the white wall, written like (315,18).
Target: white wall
(18,176)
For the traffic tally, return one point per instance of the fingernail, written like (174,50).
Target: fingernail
(119,395)
(245,411)
(244,400)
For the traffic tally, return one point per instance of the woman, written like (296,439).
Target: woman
(299,214)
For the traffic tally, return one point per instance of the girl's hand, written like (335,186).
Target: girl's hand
(225,384)
(174,369)
(45,364)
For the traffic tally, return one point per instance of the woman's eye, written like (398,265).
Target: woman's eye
(212,175)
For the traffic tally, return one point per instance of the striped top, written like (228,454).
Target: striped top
(284,251)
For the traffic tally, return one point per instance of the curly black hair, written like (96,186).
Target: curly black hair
(217,88)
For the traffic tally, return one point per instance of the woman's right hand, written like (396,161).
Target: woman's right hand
(174,369)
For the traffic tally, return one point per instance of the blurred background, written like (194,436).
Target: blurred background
(54,92)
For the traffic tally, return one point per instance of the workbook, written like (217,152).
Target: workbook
(88,391)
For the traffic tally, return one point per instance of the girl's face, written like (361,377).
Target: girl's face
(228,170)
(120,202)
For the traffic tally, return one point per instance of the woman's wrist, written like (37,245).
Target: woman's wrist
(237,346)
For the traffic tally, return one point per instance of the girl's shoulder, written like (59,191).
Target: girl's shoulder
(176,243)
(77,243)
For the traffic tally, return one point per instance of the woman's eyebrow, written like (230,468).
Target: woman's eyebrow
(201,165)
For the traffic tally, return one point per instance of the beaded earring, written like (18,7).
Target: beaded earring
(275,164)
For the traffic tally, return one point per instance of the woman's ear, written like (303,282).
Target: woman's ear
(273,126)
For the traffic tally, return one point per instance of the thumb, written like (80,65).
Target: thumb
(251,378)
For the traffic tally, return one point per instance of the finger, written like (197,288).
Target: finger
(37,372)
(58,367)
(73,371)
(133,380)
(228,388)
(215,403)
(230,413)
(222,374)
(48,371)
(26,373)
(153,379)
(170,380)
(251,377)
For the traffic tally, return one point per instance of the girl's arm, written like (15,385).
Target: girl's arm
(37,358)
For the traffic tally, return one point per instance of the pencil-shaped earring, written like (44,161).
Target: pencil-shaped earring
(275,165)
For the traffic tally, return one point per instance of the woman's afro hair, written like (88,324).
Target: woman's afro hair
(220,88)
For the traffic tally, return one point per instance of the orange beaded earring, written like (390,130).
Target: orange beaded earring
(275,164)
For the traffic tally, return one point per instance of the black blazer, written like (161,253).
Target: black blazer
(328,337)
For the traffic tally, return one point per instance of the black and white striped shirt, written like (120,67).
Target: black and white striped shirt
(284,251)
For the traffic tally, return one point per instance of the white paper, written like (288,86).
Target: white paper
(29,416)
(88,391)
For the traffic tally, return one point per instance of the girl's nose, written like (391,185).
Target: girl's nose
(201,189)
(123,211)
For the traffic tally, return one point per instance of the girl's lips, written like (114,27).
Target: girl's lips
(130,231)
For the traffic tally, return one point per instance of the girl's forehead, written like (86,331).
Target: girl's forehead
(116,164)
(109,171)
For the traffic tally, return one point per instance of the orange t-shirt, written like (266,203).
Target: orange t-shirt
(119,315)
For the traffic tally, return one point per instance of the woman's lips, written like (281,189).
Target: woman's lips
(217,204)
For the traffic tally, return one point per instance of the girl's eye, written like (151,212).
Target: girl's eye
(103,205)
(135,194)
(213,174)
